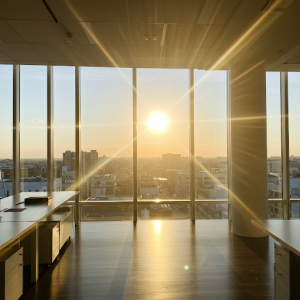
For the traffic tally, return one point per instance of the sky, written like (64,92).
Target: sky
(106,104)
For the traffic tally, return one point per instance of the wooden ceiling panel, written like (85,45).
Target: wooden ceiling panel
(8,34)
(21,52)
(182,35)
(57,52)
(38,31)
(165,11)
(140,30)
(109,33)
(24,10)
(89,10)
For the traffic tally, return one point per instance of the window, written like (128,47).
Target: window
(211,143)
(33,126)
(106,133)
(64,127)
(6,121)
(294,140)
(163,141)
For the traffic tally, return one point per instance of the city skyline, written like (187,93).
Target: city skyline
(107,125)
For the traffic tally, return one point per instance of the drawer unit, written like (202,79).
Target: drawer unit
(281,277)
(48,242)
(286,274)
(66,226)
(282,257)
(11,273)
(65,221)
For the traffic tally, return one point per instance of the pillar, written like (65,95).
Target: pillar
(248,139)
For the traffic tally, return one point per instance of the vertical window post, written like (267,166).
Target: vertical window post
(229,169)
(192,148)
(134,87)
(49,129)
(16,130)
(285,144)
(77,143)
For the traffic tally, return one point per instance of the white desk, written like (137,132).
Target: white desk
(15,224)
(287,256)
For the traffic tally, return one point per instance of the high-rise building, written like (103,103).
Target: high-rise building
(69,160)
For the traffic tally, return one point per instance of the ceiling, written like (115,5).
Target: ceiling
(200,34)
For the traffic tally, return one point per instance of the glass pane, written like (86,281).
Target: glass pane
(64,127)
(33,128)
(294,114)
(163,211)
(163,135)
(295,210)
(274,135)
(107,212)
(275,211)
(6,131)
(106,133)
(211,141)
(211,211)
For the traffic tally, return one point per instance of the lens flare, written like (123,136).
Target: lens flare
(158,122)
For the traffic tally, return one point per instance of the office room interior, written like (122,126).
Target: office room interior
(149,149)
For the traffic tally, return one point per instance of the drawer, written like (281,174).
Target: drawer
(13,261)
(281,277)
(280,292)
(282,257)
(14,276)
(14,283)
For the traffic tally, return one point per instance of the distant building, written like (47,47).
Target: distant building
(69,160)
(204,182)
(171,161)
(148,187)
(103,186)
(31,184)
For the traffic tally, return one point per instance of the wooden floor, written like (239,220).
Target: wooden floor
(159,260)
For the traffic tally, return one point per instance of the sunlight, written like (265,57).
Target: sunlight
(158,122)
(157,226)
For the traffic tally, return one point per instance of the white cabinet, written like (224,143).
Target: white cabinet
(11,273)
(286,274)
(48,242)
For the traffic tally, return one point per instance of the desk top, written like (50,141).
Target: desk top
(10,231)
(32,213)
(287,232)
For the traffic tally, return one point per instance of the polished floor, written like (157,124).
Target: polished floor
(159,260)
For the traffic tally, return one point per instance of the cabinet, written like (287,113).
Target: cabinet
(48,242)
(11,273)
(286,273)
(65,221)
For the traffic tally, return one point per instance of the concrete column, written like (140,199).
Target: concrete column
(248,137)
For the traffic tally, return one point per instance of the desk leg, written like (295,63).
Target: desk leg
(35,254)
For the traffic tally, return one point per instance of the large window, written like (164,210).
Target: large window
(64,128)
(106,133)
(211,180)
(274,160)
(163,140)
(294,140)
(33,128)
(6,121)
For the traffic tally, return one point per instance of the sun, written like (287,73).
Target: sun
(158,122)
